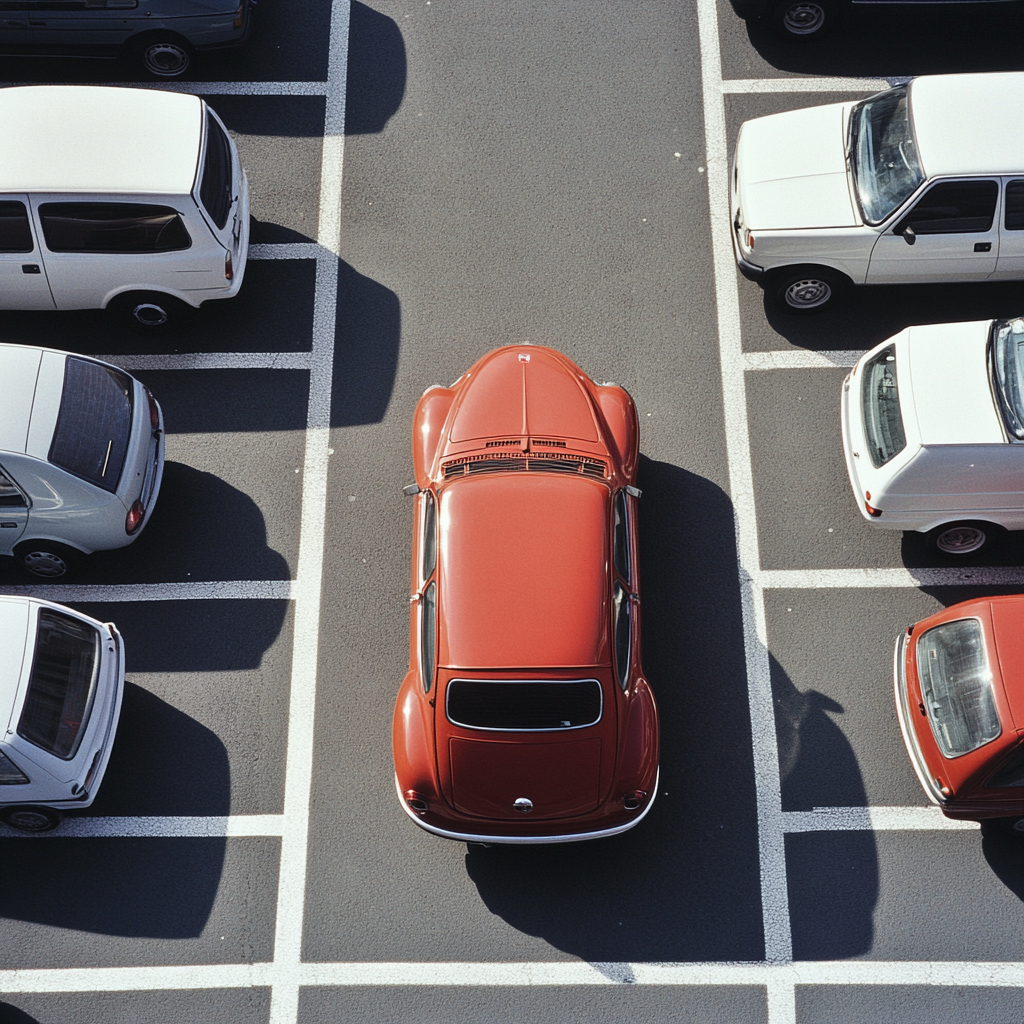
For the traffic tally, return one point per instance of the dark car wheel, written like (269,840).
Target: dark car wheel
(804,19)
(1005,826)
(163,56)
(149,312)
(806,289)
(31,819)
(45,560)
(961,540)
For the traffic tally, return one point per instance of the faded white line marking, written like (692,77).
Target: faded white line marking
(784,85)
(840,579)
(285,251)
(800,360)
(875,819)
(224,590)
(236,826)
(213,361)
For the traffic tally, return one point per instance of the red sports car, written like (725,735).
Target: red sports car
(525,716)
(960,699)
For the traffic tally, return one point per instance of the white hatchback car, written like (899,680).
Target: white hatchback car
(61,686)
(933,433)
(129,199)
(921,183)
(81,457)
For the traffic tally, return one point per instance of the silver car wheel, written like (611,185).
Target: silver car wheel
(808,293)
(165,59)
(803,19)
(961,540)
(32,819)
(44,563)
(148,314)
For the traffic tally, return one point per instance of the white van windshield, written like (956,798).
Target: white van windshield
(1006,364)
(880,400)
(886,170)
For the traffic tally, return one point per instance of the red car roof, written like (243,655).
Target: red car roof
(524,572)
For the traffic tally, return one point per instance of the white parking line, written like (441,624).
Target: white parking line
(771,837)
(291,890)
(866,86)
(236,826)
(800,359)
(843,579)
(216,590)
(875,819)
(285,251)
(214,361)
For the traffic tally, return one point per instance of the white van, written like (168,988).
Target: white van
(129,199)
(61,686)
(921,183)
(933,433)
(81,457)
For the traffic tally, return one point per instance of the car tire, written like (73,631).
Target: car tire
(149,312)
(162,56)
(1013,827)
(45,560)
(805,290)
(804,20)
(964,539)
(29,818)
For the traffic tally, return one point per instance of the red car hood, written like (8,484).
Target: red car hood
(1008,629)
(560,777)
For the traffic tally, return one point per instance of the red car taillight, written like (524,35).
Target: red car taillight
(229,267)
(134,518)
(631,801)
(415,801)
(154,410)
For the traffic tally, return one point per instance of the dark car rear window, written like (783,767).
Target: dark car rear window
(93,423)
(525,706)
(61,685)
(215,189)
(112,228)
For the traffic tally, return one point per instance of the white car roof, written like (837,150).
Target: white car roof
(948,372)
(83,138)
(969,124)
(14,623)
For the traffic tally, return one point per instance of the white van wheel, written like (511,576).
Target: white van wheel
(804,19)
(42,559)
(806,289)
(31,819)
(962,539)
(164,58)
(148,312)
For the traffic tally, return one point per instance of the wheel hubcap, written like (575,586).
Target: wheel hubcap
(803,19)
(166,59)
(1018,826)
(30,821)
(808,294)
(44,563)
(961,540)
(150,315)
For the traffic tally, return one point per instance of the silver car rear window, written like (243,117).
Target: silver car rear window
(880,399)
(956,683)
(61,685)
(94,422)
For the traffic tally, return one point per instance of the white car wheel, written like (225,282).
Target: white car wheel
(961,539)
(50,562)
(31,819)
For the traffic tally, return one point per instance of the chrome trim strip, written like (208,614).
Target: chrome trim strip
(556,682)
(469,837)
(903,717)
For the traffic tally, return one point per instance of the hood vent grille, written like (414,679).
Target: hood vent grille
(548,444)
(537,462)
(514,443)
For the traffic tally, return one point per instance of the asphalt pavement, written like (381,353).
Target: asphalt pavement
(431,179)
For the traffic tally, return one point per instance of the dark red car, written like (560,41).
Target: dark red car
(525,716)
(960,699)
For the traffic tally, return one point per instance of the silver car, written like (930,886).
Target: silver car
(81,457)
(61,686)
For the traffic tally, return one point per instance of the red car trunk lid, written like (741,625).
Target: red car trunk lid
(560,778)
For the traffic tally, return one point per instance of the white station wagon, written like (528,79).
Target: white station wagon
(61,685)
(81,457)
(132,199)
(933,433)
(921,183)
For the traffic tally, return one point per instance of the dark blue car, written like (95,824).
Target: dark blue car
(161,36)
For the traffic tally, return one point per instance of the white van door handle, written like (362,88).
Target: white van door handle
(30,268)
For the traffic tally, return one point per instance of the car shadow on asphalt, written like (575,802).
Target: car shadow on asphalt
(888,43)
(684,884)
(1005,856)
(375,86)
(12,1015)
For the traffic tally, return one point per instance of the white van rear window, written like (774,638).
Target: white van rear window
(112,227)
(880,399)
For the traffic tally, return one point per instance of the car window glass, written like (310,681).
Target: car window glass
(621,536)
(1014,218)
(215,190)
(954,207)
(880,399)
(10,774)
(15,233)
(10,496)
(428,619)
(1011,774)
(622,613)
(112,228)
(429,535)
(93,422)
